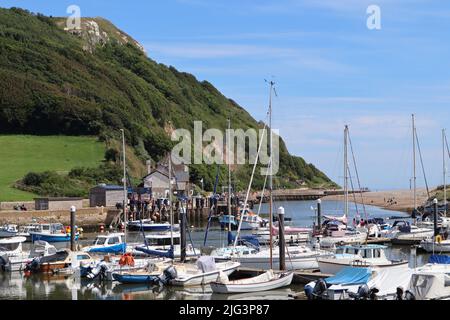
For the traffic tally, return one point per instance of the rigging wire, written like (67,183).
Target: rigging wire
(357,175)
(421,161)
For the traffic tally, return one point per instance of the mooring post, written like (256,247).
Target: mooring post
(436,214)
(183,224)
(73,210)
(281,239)
(319,214)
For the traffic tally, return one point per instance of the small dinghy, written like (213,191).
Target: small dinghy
(264,282)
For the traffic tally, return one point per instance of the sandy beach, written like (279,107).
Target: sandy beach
(395,200)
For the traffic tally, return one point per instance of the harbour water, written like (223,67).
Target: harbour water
(16,286)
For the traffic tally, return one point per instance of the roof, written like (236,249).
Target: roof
(59,199)
(108,187)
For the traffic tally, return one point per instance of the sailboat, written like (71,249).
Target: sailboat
(439,243)
(298,256)
(337,231)
(405,233)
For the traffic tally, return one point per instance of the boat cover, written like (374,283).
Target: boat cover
(160,253)
(439,259)
(116,249)
(350,276)
(206,264)
(253,240)
(388,280)
(426,286)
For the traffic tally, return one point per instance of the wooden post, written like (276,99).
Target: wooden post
(436,215)
(73,211)
(183,224)
(319,214)
(281,240)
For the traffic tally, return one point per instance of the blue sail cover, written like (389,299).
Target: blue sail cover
(350,276)
(253,240)
(163,254)
(439,259)
(115,249)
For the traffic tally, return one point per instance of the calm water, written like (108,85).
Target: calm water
(16,286)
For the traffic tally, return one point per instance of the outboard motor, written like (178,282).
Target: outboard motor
(169,274)
(99,271)
(362,294)
(409,295)
(317,292)
(399,294)
(33,266)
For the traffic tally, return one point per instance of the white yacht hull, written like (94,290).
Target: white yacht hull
(204,278)
(334,266)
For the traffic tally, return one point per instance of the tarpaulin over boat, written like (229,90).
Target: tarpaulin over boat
(116,249)
(350,275)
(389,279)
(439,259)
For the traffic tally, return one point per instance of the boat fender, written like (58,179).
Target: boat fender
(439,239)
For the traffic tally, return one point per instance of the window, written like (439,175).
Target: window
(100,241)
(114,240)
(9,246)
(377,253)
(83,257)
(367,254)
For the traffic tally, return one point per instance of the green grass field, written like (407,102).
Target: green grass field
(20,154)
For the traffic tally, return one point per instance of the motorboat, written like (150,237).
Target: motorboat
(264,282)
(403,233)
(24,231)
(19,261)
(108,243)
(436,244)
(51,232)
(149,225)
(58,262)
(156,243)
(342,237)
(432,281)
(297,257)
(150,274)
(373,256)
(8,231)
(339,286)
(293,235)
(250,221)
(10,248)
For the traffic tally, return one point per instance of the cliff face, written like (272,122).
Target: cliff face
(97,80)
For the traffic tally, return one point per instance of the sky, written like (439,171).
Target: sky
(330,70)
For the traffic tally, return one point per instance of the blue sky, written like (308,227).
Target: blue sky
(330,70)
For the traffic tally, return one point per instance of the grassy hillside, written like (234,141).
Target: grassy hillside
(56,82)
(20,154)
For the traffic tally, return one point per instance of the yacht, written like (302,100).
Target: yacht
(365,256)
(402,232)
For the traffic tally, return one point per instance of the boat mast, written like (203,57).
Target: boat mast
(170,200)
(346,171)
(229,174)
(414,163)
(444,165)
(125,193)
(270,175)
